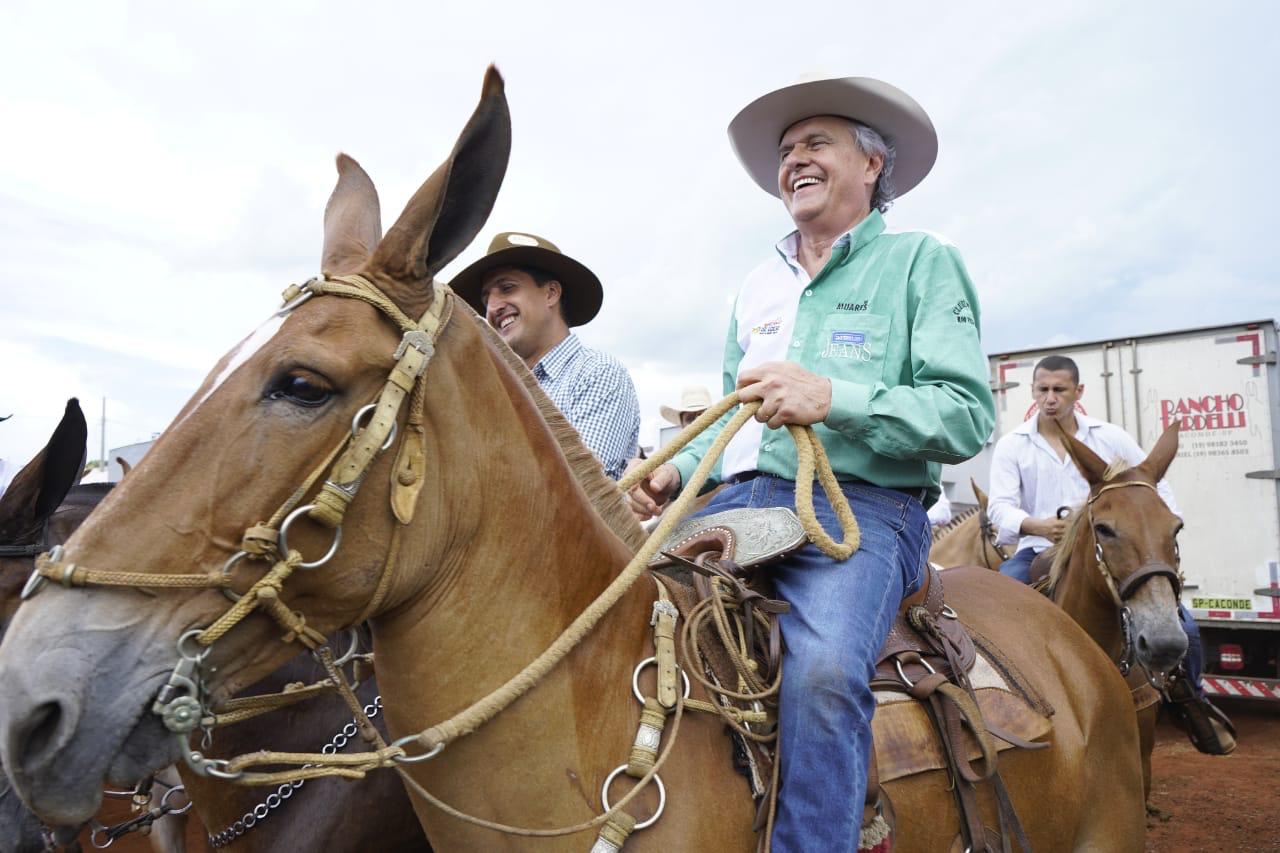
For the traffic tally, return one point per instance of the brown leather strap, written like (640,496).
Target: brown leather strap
(1146,572)
(1010,824)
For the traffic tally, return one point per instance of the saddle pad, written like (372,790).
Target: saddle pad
(906,742)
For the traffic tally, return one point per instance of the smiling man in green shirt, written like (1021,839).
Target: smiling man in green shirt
(872,338)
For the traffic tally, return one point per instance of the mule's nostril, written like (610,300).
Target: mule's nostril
(42,733)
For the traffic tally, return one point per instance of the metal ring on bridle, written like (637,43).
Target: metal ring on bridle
(284,537)
(415,759)
(356,426)
(164,801)
(757,706)
(226,570)
(352,650)
(93,837)
(635,680)
(662,796)
(216,767)
(200,653)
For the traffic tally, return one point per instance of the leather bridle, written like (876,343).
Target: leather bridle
(1123,589)
(182,703)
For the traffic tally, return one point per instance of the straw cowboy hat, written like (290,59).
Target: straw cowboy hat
(695,398)
(895,115)
(581,293)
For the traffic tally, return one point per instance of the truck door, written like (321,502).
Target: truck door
(1216,387)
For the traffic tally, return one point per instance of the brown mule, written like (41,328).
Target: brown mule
(314,816)
(969,540)
(1115,573)
(514,532)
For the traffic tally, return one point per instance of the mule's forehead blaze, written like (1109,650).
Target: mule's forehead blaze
(244,351)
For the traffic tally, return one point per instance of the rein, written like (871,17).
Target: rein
(182,702)
(987,531)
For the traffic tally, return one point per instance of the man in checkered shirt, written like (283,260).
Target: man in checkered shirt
(532,294)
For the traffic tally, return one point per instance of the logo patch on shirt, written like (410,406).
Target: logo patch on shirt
(848,345)
(769,328)
(852,306)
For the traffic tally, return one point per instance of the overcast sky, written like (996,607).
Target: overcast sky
(1106,169)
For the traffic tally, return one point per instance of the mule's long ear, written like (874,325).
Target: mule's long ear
(979,494)
(448,210)
(352,222)
(1161,456)
(1091,465)
(38,489)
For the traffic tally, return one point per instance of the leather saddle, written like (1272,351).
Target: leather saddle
(1038,573)
(928,654)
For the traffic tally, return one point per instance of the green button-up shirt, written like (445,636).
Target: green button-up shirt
(892,320)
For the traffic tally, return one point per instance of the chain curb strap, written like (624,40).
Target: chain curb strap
(276,799)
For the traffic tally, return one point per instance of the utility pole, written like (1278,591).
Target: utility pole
(103,435)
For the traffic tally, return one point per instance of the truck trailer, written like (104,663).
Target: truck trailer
(1222,385)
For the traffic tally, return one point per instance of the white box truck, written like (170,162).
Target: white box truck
(1223,385)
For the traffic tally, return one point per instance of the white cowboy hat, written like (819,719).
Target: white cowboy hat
(695,398)
(895,115)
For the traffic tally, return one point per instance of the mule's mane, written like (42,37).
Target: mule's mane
(1077,524)
(940,533)
(601,490)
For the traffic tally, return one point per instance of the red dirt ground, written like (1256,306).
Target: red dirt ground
(1219,802)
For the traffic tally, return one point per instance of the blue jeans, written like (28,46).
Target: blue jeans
(840,615)
(1018,566)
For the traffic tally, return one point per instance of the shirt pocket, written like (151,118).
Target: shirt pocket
(853,347)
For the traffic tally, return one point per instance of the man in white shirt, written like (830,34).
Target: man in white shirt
(1032,478)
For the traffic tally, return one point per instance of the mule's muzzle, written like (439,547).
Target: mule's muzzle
(1160,651)
(1159,641)
(36,729)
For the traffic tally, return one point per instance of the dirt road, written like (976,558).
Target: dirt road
(1219,803)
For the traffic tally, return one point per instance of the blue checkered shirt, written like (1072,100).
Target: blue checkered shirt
(595,393)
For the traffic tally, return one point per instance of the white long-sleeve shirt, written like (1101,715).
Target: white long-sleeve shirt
(1029,480)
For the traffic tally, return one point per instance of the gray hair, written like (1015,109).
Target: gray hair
(871,143)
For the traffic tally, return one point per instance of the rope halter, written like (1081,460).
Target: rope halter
(181,703)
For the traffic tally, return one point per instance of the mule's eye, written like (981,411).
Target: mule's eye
(301,387)
(1103,531)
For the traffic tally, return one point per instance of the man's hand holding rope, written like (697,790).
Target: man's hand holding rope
(788,394)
